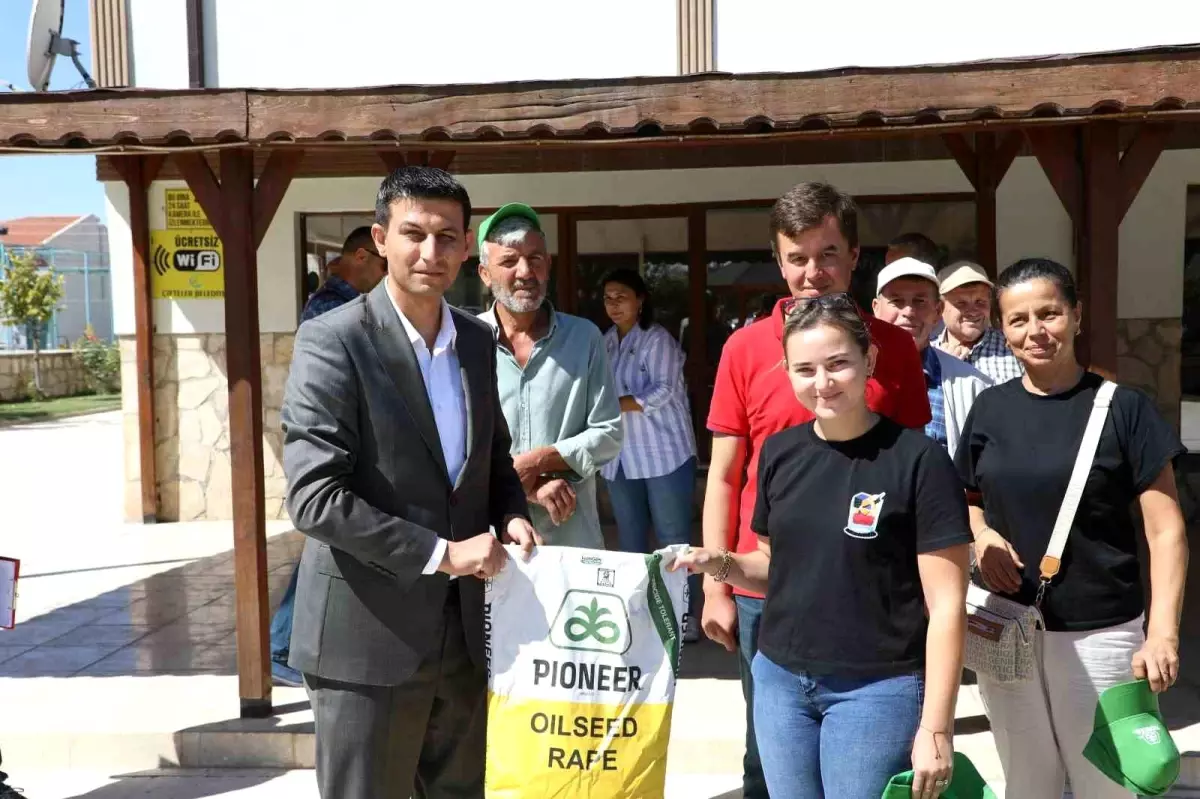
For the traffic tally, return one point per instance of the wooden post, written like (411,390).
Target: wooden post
(1099,245)
(985,202)
(565,269)
(985,165)
(244,373)
(697,356)
(241,213)
(1097,185)
(138,173)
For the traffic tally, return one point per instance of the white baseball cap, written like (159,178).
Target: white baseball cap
(905,267)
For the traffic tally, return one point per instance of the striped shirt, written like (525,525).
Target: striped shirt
(648,365)
(989,355)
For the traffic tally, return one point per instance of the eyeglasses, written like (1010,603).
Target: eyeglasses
(837,301)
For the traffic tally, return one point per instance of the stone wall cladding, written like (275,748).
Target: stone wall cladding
(62,375)
(1148,357)
(191,425)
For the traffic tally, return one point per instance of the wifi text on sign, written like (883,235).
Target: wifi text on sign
(187,259)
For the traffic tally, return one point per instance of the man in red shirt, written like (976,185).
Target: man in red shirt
(814,235)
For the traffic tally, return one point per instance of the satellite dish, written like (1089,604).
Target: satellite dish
(46,43)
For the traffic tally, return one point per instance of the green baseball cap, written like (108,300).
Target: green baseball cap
(965,783)
(504,212)
(1130,744)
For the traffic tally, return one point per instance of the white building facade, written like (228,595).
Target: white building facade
(609,209)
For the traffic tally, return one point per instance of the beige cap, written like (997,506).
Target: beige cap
(960,273)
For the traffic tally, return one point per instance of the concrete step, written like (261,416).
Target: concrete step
(174,783)
(708,728)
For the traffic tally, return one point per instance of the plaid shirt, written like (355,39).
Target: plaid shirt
(334,292)
(936,429)
(989,355)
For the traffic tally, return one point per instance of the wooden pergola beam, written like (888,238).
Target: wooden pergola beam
(244,373)
(394,159)
(241,213)
(845,102)
(1139,159)
(203,183)
(697,354)
(1097,185)
(1057,151)
(272,185)
(1099,245)
(964,154)
(139,172)
(985,163)
(565,268)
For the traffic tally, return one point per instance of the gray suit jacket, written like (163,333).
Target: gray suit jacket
(367,483)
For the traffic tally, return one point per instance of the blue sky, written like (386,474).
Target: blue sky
(42,185)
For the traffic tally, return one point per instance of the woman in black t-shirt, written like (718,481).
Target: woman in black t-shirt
(1016,454)
(862,524)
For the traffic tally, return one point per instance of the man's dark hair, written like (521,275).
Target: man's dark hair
(1028,269)
(805,207)
(420,183)
(919,246)
(359,239)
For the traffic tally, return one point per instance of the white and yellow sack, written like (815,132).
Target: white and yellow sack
(582,648)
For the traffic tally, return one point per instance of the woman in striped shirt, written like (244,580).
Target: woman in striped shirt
(652,482)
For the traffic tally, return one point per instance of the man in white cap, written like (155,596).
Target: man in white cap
(969,334)
(907,297)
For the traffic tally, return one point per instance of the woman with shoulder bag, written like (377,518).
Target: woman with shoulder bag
(1017,452)
(862,524)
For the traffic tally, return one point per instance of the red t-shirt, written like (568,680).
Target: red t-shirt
(753,397)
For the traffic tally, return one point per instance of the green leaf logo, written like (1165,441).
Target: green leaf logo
(590,623)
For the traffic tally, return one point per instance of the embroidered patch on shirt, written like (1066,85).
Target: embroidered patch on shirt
(864,514)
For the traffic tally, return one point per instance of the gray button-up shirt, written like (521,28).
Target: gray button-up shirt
(563,398)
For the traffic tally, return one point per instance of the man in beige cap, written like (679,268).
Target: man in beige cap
(906,296)
(968,332)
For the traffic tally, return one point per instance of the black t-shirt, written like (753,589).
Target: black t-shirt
(846,521)
(1017,449)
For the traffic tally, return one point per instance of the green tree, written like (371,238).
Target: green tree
(29,295)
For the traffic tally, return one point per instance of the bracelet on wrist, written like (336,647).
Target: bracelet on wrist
(726,563)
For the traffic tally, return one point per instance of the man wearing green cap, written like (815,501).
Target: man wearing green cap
(556,388)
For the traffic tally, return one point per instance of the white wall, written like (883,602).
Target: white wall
(323,44)
(787,36)
(1152,238)
(1030,221)
(159,56)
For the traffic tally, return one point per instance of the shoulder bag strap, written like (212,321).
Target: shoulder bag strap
(1052,561)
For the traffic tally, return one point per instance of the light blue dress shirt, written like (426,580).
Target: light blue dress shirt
(563,398)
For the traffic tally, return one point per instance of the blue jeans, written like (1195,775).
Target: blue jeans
(830,735)
(281,622)
(664,503)
(749,615)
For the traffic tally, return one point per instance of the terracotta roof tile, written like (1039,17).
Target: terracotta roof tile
(33,231)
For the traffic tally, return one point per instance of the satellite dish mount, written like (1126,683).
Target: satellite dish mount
(70,48)
(46,43)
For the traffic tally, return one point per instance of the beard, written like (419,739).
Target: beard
(517,304)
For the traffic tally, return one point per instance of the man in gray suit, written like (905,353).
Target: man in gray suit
(397,459)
